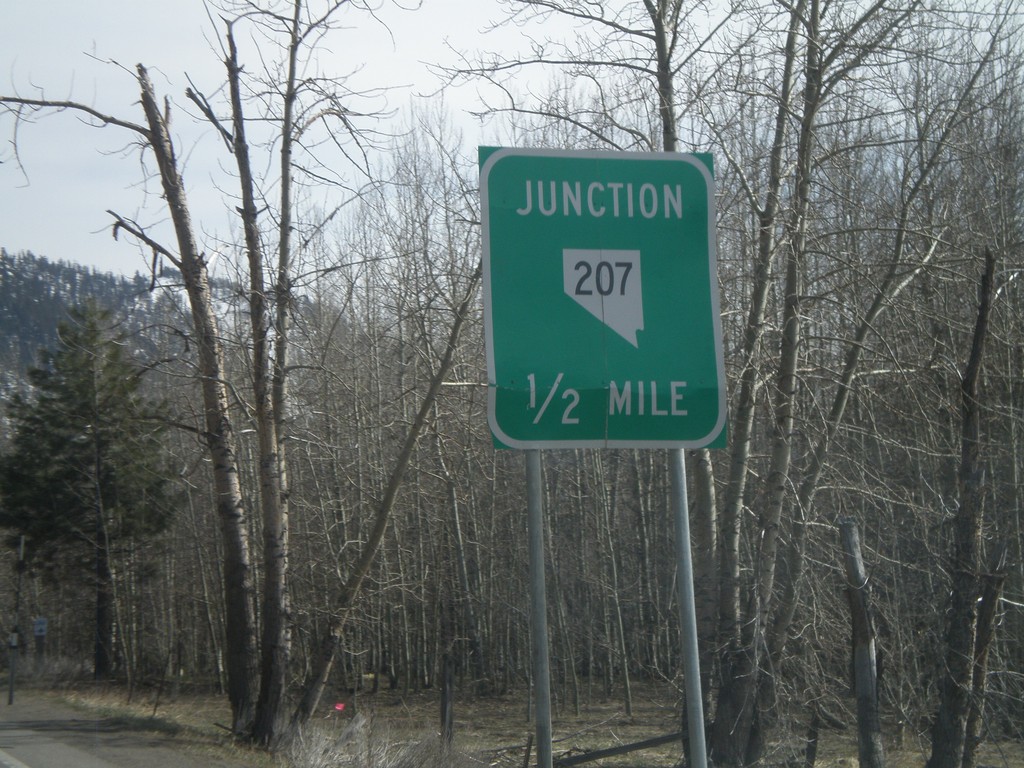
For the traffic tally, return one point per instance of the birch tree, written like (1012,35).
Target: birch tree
(292,103)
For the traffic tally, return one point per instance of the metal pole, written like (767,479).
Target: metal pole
(687,611)
(538,608)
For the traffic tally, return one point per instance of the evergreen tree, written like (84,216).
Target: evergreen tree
(83,474)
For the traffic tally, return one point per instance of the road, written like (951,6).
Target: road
(38,732)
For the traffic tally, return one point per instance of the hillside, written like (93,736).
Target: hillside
(35,295)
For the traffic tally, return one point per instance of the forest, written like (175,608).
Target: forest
(297,490)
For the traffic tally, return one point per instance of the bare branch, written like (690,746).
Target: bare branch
(139,233)
(203,103)
(19,104)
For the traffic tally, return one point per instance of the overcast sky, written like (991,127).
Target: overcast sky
(55,204)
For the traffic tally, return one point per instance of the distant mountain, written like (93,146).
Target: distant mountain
(36,294)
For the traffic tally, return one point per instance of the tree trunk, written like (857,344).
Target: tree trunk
(735,737)
(991,588)
(607,500)
(476,648)
(704,508)
(103,661)
(275,648)
(104,638)
(865,664)
(704,531)
(219,433)
(731,722)
(949,732)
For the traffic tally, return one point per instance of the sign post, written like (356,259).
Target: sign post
(13,638)
(538,608)
(687,612)
(39,626)
(602,330)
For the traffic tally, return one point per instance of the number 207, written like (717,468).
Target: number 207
(605,277)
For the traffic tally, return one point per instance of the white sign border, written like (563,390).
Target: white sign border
(493,158)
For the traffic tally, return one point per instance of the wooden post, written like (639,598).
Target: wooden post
(811,752)
(869,728)
(447,701)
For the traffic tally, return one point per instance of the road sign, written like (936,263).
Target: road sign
(39,626)
(601,299)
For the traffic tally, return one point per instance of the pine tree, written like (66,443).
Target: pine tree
(83,473)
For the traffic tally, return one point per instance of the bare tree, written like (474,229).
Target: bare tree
(951,723)
(301,29)
(828,67)
(426,220)
(219,430)
(292,98)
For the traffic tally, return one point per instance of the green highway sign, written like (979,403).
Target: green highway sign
(601,299)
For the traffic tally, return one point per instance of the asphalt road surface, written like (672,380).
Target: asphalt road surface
(37,732)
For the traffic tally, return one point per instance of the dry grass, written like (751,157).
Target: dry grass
(363,743)
(197,723)
(400,731)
